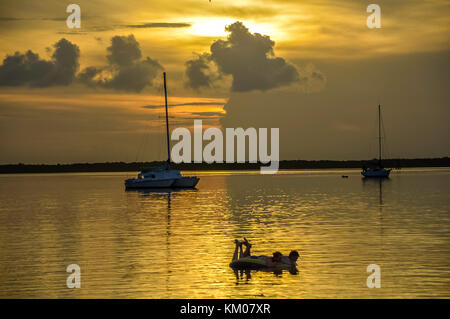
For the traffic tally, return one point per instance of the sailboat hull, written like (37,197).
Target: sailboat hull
(137,183)
(378,173)
(186,182)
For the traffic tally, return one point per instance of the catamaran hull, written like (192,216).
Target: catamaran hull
(376,173)
(186,182)
(136,183)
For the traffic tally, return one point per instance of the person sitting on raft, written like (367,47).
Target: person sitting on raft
(275,261)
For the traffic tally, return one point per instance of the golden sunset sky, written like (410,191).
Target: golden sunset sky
(318,78)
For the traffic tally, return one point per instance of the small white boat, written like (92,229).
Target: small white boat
(377,171)
(162,177)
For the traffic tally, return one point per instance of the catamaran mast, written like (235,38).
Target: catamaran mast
(379,134)
(167,122)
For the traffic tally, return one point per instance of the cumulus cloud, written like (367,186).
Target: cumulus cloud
(126,70)
(123,50)
(200,72)
(248,58)
(310,78)
(28,69)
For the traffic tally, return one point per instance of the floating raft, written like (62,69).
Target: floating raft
(248,263)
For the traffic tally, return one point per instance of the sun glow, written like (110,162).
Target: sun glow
(216,27)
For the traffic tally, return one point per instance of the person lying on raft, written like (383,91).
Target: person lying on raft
(245,260)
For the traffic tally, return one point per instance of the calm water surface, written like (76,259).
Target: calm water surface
(179,244)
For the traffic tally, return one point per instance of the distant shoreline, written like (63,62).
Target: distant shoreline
(290,164)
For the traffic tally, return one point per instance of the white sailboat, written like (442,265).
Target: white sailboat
(162,177)
(377,171)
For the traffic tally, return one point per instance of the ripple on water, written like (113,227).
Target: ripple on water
(179,244)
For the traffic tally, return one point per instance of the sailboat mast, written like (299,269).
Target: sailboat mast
(167,122)
(379,133)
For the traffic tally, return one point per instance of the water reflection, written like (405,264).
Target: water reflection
(371,185)
(376,182)
(156,191)
(178,243)
(246,274)
(163,194)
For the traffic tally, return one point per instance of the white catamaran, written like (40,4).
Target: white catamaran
(378,170)
(162,177)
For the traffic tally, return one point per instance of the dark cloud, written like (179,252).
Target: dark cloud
(89,74)
(28,69)
(199,103)
(124,50)
(311,79)
(199,72)
(184,104)
(65,59)
(318,75)
(208,114)
(126,70)
(247,57)
(73,32)
(31,19)
(54,19)
(10,19)
(136,76)
(158,25)
(152,106)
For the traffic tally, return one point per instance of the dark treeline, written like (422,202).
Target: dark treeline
(294,164)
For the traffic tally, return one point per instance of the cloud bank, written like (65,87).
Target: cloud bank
(28,69)
(249,59)
(125,70)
